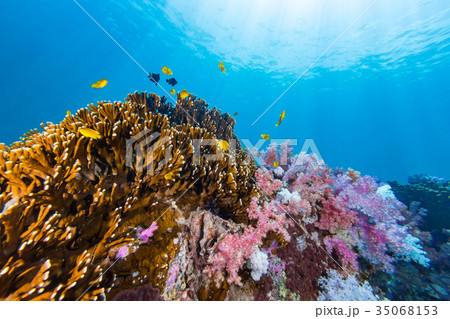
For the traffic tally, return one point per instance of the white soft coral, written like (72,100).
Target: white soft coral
(258,263)
(336,288)
(289,198)
(279,171)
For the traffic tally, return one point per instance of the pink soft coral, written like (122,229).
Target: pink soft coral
(266,182)
(373,245)
(314,185)
(270,155)
(334,215)
(235,249)
(273,154)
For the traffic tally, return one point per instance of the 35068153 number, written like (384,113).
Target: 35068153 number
(407,310)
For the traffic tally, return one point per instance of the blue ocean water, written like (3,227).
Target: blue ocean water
(376,101)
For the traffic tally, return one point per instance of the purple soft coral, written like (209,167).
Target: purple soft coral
(145,234)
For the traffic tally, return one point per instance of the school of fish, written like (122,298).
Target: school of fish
(155,77)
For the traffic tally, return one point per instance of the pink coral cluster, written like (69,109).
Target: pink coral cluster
(270,155)
(378,229)
(273,153)
(266,182)
(343,203)
(235,249)
(334,215)
(373,245)
(313,182)
(348,214)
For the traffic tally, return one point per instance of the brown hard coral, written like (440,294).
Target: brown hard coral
(198,114)
(69,202)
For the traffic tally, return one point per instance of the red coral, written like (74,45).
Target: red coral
(304,268)
(345,255)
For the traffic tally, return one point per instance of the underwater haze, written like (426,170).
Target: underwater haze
(376,101)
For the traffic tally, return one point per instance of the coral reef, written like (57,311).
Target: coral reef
(434,195)
(73,210)
(310,229)
(144,213)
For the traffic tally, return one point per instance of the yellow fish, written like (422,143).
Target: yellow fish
(99,84)
(166,70)
(281,118)
(275,164)
(223,145)
(172,91)
(168,176)
(235,113)
(265,136)
(68,113)
(88,132)
(184,94)
(221,66)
